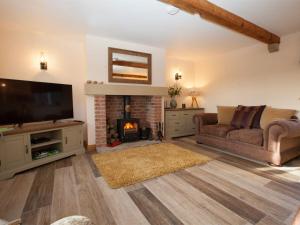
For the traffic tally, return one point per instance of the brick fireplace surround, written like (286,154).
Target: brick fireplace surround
(110,108)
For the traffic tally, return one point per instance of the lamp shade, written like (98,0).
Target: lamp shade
(193,92)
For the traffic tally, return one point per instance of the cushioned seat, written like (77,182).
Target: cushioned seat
(250,136)
(218,130)
(274,138)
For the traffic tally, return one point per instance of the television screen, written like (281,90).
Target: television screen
(28,101)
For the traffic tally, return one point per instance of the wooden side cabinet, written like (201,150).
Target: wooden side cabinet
(179,122)
(32,146)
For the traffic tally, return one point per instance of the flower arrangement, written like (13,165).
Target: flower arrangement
(174,90)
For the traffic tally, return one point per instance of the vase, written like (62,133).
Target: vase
(173,103)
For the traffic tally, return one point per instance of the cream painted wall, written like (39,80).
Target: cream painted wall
(187,70)
(97,64)
(20,57)
(97,58)
(252,76)
(249,76)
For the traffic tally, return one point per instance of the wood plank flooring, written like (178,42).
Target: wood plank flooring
(155,212)
(226,191)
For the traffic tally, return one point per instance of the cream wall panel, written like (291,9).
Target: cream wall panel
(253,76)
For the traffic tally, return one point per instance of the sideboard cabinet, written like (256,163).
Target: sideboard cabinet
(179,122)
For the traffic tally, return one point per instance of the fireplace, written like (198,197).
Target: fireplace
(128,128)
(109,113)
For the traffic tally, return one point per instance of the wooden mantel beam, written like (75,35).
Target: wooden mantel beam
(218,15)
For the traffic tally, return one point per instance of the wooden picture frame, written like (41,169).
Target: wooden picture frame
(141,65)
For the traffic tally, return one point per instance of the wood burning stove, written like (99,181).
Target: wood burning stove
(128,128)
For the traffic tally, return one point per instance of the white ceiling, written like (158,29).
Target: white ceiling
(147,22)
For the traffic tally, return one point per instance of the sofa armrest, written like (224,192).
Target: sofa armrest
(277,130)
(202,119)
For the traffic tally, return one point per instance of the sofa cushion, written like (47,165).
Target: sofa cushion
(218,130)
(243,116)
(225,114)
(250,136)
(271,114)
(257,117)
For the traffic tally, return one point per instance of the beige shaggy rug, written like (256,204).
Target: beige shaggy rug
(133,165)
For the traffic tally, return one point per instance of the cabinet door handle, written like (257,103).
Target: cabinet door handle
(27,150)
(66,140)
(0,163)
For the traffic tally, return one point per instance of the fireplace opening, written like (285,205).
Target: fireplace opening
(128,128)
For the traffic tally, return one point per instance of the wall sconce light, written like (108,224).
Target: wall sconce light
(43,62)
(178,76)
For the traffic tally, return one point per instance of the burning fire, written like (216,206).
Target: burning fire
(128,126)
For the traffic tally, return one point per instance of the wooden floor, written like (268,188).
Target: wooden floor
(227,190)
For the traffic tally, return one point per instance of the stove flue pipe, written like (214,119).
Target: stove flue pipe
(127,107)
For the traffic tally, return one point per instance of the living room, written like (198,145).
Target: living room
(170,143)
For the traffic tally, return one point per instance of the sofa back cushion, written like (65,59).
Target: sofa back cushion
(271,114)
(225,114)
(243,116)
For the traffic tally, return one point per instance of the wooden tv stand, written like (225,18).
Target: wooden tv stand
(21,148)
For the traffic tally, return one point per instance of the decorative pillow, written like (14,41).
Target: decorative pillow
(14,222)
(271,114)
(74,220)
(225,114)
(257,117)
(3,222)
(243,116)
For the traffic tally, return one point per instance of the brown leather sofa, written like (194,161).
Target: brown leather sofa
(277,144)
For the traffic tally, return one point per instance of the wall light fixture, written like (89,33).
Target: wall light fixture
(43,62)
(178,76)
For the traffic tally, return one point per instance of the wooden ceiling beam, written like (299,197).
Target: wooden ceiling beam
(218,15)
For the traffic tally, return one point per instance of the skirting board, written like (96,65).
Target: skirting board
(90,148)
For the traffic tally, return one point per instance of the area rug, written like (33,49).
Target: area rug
(127,145)
(134,165)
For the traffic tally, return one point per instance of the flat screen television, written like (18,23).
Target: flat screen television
(28,101)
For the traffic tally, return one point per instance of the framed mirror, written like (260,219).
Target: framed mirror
(126,66)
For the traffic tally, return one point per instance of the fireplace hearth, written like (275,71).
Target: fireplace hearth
(128,128)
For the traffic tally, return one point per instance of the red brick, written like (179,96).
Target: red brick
(148,109)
